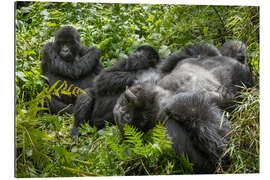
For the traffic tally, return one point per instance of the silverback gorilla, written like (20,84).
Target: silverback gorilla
(188,100)
(97,105)
(66,59)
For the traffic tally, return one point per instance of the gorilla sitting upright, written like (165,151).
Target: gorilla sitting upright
(67,60)
(97,105)
(188,101)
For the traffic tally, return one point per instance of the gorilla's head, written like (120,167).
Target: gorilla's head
(150,53)
(137,107)
(67,43)
(143,57)
(235,49)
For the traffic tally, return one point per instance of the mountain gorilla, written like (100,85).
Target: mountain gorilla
(67,60)
(188,101)
(97,105)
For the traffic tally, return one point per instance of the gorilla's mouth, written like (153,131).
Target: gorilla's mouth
(66,56)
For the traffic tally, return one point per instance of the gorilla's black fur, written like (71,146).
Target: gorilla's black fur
(96,106)
(218,78)
(197,51)
(189,97)
(201,68)
(195,124)
(66,59)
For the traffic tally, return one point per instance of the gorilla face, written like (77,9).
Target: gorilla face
(65,48)
(142,58)
(139,106)
(235,49)
(67,42)
(150,54)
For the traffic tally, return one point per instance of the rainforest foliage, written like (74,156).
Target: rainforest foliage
(43,145)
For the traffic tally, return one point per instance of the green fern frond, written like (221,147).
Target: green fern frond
(64,89)
(134,137)
(160,137)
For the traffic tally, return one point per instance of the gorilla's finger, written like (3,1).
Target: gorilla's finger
(131,97)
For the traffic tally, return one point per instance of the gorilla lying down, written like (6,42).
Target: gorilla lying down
(143,65)
(188,99)
(97,104)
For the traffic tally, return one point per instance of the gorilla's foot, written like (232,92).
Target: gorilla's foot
(74,133)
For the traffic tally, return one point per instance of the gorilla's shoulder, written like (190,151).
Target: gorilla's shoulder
(95,51)
(47,47)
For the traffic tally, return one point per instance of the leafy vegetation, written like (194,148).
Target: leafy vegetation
(244,146)
(43,145)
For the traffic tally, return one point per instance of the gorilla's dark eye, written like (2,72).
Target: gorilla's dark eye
(67,43)
(59,43)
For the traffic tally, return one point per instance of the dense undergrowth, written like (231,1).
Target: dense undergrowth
(43,145)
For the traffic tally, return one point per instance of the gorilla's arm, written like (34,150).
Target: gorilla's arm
(202,120)
(52,62)
(87,63)
(172,61)
(82,110)
(195,51)
(115,79)
(47,58)
(114,82)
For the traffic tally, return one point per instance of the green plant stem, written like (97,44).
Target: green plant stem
(34,147)
(80,172)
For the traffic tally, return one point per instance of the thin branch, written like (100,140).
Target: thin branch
(80,172)
(144,167)
(24,159)
(223,23)
(34,147)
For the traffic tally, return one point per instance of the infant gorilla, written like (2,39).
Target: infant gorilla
(188,100)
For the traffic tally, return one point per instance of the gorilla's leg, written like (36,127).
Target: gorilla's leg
(103,110)
(203,120)
(241,75)
(82,110)
(56,106)
(233,79)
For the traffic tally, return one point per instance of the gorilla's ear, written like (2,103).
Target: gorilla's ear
(132,99)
